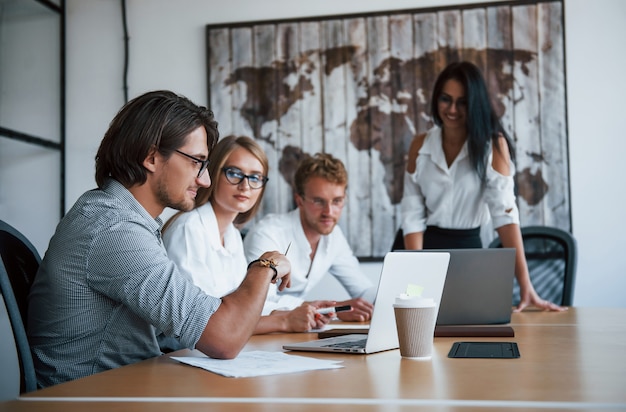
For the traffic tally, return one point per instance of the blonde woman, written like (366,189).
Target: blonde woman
(206,244)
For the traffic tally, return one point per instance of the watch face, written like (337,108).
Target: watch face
(269,263)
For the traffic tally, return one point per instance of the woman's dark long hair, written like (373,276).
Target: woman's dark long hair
(482,124)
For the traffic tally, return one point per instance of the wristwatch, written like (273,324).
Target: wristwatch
(267,263)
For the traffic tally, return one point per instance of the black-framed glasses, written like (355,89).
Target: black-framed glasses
(236,176)
(202,164)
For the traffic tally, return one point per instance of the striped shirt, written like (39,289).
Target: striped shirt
(106,288)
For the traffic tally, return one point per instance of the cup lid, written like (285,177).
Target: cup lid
(405,301)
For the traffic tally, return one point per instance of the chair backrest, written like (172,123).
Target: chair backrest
(18,266)
(551,255)
(9,359)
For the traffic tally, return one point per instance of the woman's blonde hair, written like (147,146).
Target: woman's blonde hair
(217,161)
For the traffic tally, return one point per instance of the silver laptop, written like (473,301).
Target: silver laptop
(399,269)
(478,288)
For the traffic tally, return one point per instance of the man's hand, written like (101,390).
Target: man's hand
(361,310)
(283,268)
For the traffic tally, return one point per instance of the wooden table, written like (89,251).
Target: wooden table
(569,361)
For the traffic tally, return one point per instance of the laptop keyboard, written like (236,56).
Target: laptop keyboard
(351,344)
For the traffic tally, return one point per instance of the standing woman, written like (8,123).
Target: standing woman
(460,172)
(205,244)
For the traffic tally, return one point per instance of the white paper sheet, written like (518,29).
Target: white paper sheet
(258,363)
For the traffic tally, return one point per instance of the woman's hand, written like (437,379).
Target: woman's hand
(530,298)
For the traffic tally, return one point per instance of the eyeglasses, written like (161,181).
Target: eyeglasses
(320,203)
(236,176)
(447,101)
(202,164)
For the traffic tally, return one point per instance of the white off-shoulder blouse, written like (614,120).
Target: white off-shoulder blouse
(454,197)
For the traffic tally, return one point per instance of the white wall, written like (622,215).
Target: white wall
(29,102)
(596,85)
(167,50)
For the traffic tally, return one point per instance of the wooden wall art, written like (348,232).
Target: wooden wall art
(358,86)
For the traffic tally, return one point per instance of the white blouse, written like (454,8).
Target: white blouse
(193,243)
(454,197)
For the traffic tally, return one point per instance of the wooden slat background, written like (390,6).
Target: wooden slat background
(358,87)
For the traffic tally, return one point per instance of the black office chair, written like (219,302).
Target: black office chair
(551,254)
(18,267)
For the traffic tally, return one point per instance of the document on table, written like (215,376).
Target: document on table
(258,363)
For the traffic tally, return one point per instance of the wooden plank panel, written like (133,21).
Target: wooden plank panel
(240,79)
(359,204)
(402,109)
(426,70)
(220,100)
(475,37)
(554,151)
(310,67)
(530,182)
(289,90)
(402,86)
(380,127)
(265,111)
(499,73)
(499,78)
(475,51)
(336,55)
(450,38)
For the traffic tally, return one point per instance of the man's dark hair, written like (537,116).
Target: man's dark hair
(158,119)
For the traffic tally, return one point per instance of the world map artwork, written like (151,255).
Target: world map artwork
(359,88)
(388,98)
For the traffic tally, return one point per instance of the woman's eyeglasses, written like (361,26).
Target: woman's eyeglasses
(236,176)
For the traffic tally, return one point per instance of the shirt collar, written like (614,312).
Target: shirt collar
(433,146)
(209,223)
(300,237)
(117,190)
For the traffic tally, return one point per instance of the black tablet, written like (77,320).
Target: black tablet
(495,350)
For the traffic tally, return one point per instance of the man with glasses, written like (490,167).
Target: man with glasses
(316,244)
(106,287)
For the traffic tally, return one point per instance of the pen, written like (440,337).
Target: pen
(288,246)
(326,311)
